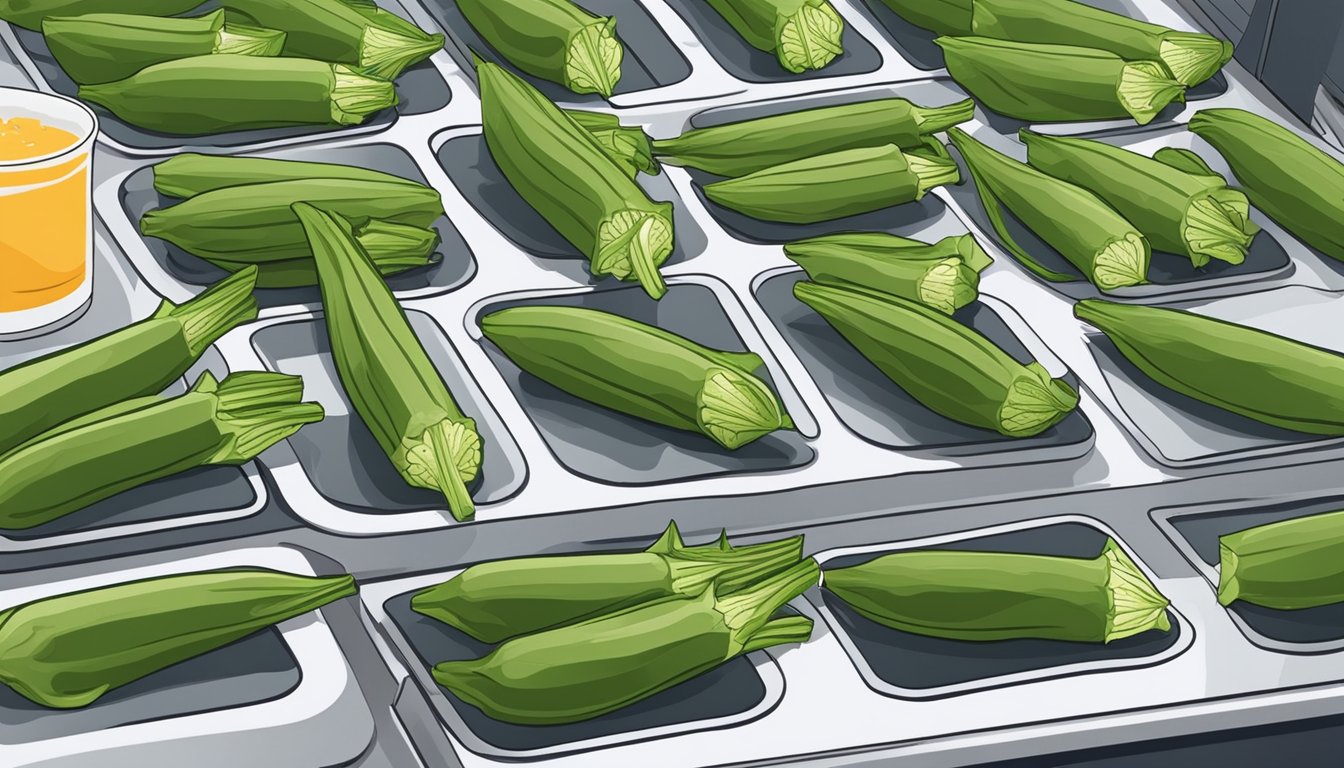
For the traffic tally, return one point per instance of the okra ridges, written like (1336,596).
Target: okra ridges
(736,408)
(748,611)
(811,38)
(1122,263)
(1145,90)
(1193,58)
(445,458)
(593,60)
(226,305)
(384,53)
(355,96)
(1135,604)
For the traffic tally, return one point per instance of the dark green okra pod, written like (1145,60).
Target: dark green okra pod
(641,370)
(835,185)
(747,146)
(554,40)
(804,34)
(1288,565)
(588,669)
(68,650)
(951,369)
(507,598)
(944,275)
(125,445)
(190,174)
(103,47)
(30,13)
(138,360)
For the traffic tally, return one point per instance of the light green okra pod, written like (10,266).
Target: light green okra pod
(190,174)
(585,670)
(1288,565)
(554,40)
(498,600)
(804,34)
(641,370)
(67,651)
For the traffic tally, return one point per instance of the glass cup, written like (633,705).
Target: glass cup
(46,216)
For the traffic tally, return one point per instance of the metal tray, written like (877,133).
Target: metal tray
(337,469)
(172,270)
(1195,532)
(610,447)
(421,90)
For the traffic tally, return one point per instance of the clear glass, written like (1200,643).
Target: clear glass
(46,216)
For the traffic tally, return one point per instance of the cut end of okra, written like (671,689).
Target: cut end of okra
(932,170)
(1229,587)
(385,53)
(1193,58)
(593,59)
(1035,402)
(949,285)
(226,305)
(1146,89)
(256,411)
(1217,225)
(445,458)
(735,408)
(746,613)
(1122,263)
(811,38)
(971,253)
(355,96)
(1135,604)
(632,245)
(250,41)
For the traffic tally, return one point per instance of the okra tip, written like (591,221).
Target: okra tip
(445,458)
(1135,604)
(221,308)
(1146,88)
(1193,58)
(810,38)
(633,244)
(1122,262)
(939,119)
(593,59)
(1035,402)
(735,408)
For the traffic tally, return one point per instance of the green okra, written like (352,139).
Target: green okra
(949,368)
(190,174)
(495,601)
(103,47)
(561,171)
(138,360)
(1288,565)
(641,370)
(1103,245)
(1058,83)
(68,650)
(342,32)
(627,146)
(945,17)
(29,14)
(1177,212)
(390,380)
(1291,180)
(1259,375)
(393,248)
(804,34)
(131,443)
(601,665)
(835,185)
(230,92)
(1191,57)
(987,596)
(1187,160)
(254,222)
(944,275)
(554,40)
(747,146)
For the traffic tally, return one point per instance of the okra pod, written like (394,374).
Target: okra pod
(66,651)
(190,174)
(1259,375)
(254,222)
(1191,57)
(127,445)
(554,40)
(393,248)
(987,596)
(495,601)
(1177,212)
(103,47)
(1109,251)
(944,275)
(641,370)
(949,368)
(1283,174)
(341,32)
(138,360)
(747,146)
(1058,83)
(229,92)
(30,13)
(584,670)
(945,17)
(804,34)
(1288,565)
(389,378)
(835,185)
(562,172)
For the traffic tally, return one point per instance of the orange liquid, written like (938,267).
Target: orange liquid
(44,225)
